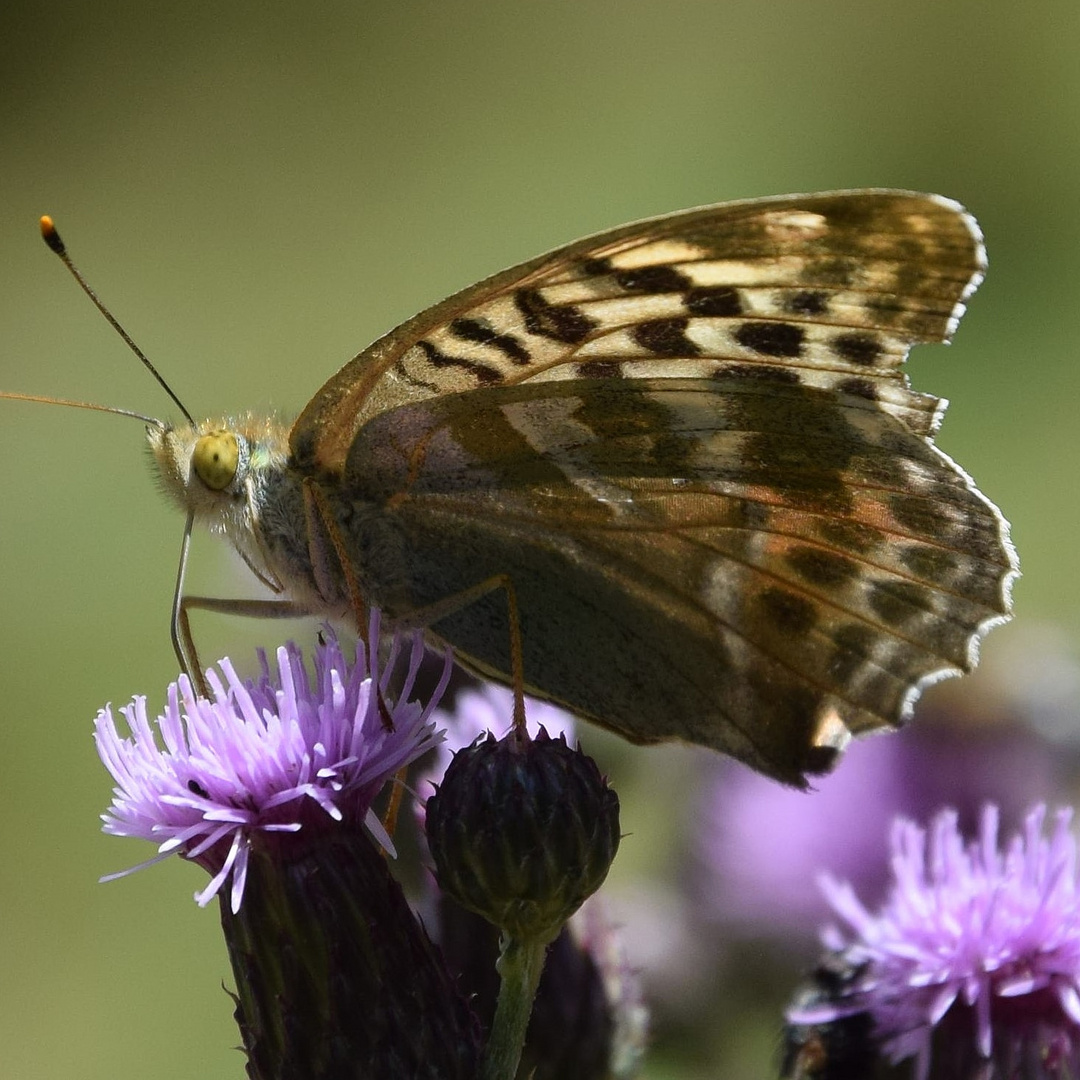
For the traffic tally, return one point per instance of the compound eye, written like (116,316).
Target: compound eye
(215,459)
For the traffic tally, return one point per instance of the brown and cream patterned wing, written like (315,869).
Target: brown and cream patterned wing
(752,564)
(826,291)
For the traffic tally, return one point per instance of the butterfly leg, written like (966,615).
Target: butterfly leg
(184,640)
(318,511)
(419,618)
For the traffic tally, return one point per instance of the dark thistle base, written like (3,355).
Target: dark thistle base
(336,978)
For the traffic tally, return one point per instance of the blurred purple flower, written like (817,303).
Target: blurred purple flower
(761,846)
(264,757)
(977,944)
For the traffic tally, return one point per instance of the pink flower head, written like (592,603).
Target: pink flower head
(264,757)
(979,944)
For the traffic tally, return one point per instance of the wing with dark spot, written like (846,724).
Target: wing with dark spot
(757,566)
(827,288)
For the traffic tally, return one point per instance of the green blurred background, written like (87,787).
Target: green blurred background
(258,190)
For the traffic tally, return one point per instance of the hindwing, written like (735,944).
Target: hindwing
(759,568)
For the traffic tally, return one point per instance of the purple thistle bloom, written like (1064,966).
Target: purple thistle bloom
(264,757)
(978,944)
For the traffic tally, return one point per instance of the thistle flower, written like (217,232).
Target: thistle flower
(263,758)
(588,1020)
(521,831)
(972,965)
(269,785)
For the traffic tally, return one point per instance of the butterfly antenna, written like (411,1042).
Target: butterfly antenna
(52,238)
(11,395)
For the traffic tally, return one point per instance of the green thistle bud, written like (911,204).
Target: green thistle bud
(522,832)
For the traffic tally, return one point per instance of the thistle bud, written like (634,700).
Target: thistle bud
(522,832)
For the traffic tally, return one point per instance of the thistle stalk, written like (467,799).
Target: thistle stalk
(520,966)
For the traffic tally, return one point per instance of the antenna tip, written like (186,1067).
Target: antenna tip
(50,235)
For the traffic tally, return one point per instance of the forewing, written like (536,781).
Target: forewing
(826,290)
(747,563)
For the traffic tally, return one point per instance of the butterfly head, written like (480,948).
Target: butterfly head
(200,465)
(206,467)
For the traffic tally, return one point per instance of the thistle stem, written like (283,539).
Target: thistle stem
(520,966)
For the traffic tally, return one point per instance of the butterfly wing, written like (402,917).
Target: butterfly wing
(831,288)
(760,568)
(690,444)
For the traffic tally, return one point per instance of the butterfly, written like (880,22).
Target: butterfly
(678,463)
